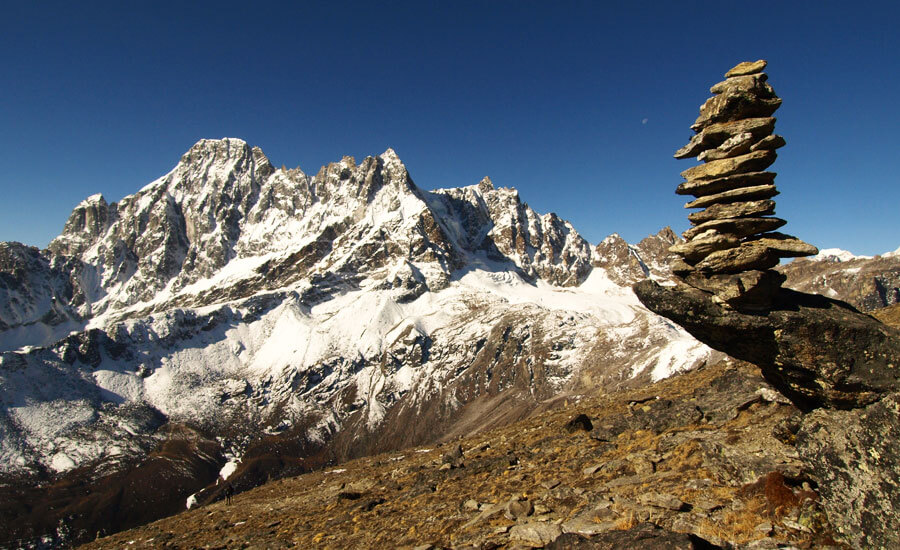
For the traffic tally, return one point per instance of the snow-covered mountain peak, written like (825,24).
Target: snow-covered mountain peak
(96,198)
(611,238)
(628,263)
(223,148)
(224,224)
(836,255)
(390,157)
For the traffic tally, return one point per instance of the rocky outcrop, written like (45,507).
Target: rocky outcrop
(854,456)
(88,221)
(37,296)
(817,351)
(731,248)
(626,264)
(496,223)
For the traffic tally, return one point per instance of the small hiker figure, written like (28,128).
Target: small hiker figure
(229,492)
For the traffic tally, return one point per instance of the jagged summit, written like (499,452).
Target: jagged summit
(390,155)
(224,202)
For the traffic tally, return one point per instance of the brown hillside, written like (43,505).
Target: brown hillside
(706,453)
(888,315)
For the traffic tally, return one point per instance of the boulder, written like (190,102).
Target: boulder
(731,147)
(580,423)
(739,227)
(745,291)
(854,456)
(815,350)
(663,500)
(680,267)
(751,162)
(453,457)
(736,105)
(518,508)
(733,210)
(539,533)
(785,246)
(728,183)
(747,67)
(735,195)
(744,83)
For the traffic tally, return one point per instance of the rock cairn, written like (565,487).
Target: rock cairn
(731,248)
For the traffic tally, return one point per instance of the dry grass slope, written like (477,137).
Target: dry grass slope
(707,452)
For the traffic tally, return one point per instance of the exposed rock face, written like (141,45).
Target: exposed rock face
(626,264)
(817,351)
(854,457)
(498,223)
(35,291)
(731,236)
(746,67)
(824,355)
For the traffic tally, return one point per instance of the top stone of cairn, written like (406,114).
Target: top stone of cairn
(747,67)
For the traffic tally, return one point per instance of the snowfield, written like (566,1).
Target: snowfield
(294,358)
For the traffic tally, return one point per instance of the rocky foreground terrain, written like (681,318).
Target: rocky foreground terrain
(701,460)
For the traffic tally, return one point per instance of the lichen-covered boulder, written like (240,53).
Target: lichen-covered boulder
(854,456)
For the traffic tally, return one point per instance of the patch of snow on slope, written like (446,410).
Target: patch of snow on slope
(293,358)
(677,356)
(229,468)
(118,386)
(37,334)
(597,295)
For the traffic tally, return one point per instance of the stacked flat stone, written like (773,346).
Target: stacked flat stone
(732,247)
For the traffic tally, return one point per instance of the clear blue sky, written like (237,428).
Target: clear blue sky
(579,105)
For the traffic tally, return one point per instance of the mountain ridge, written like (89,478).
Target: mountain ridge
(279,322)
